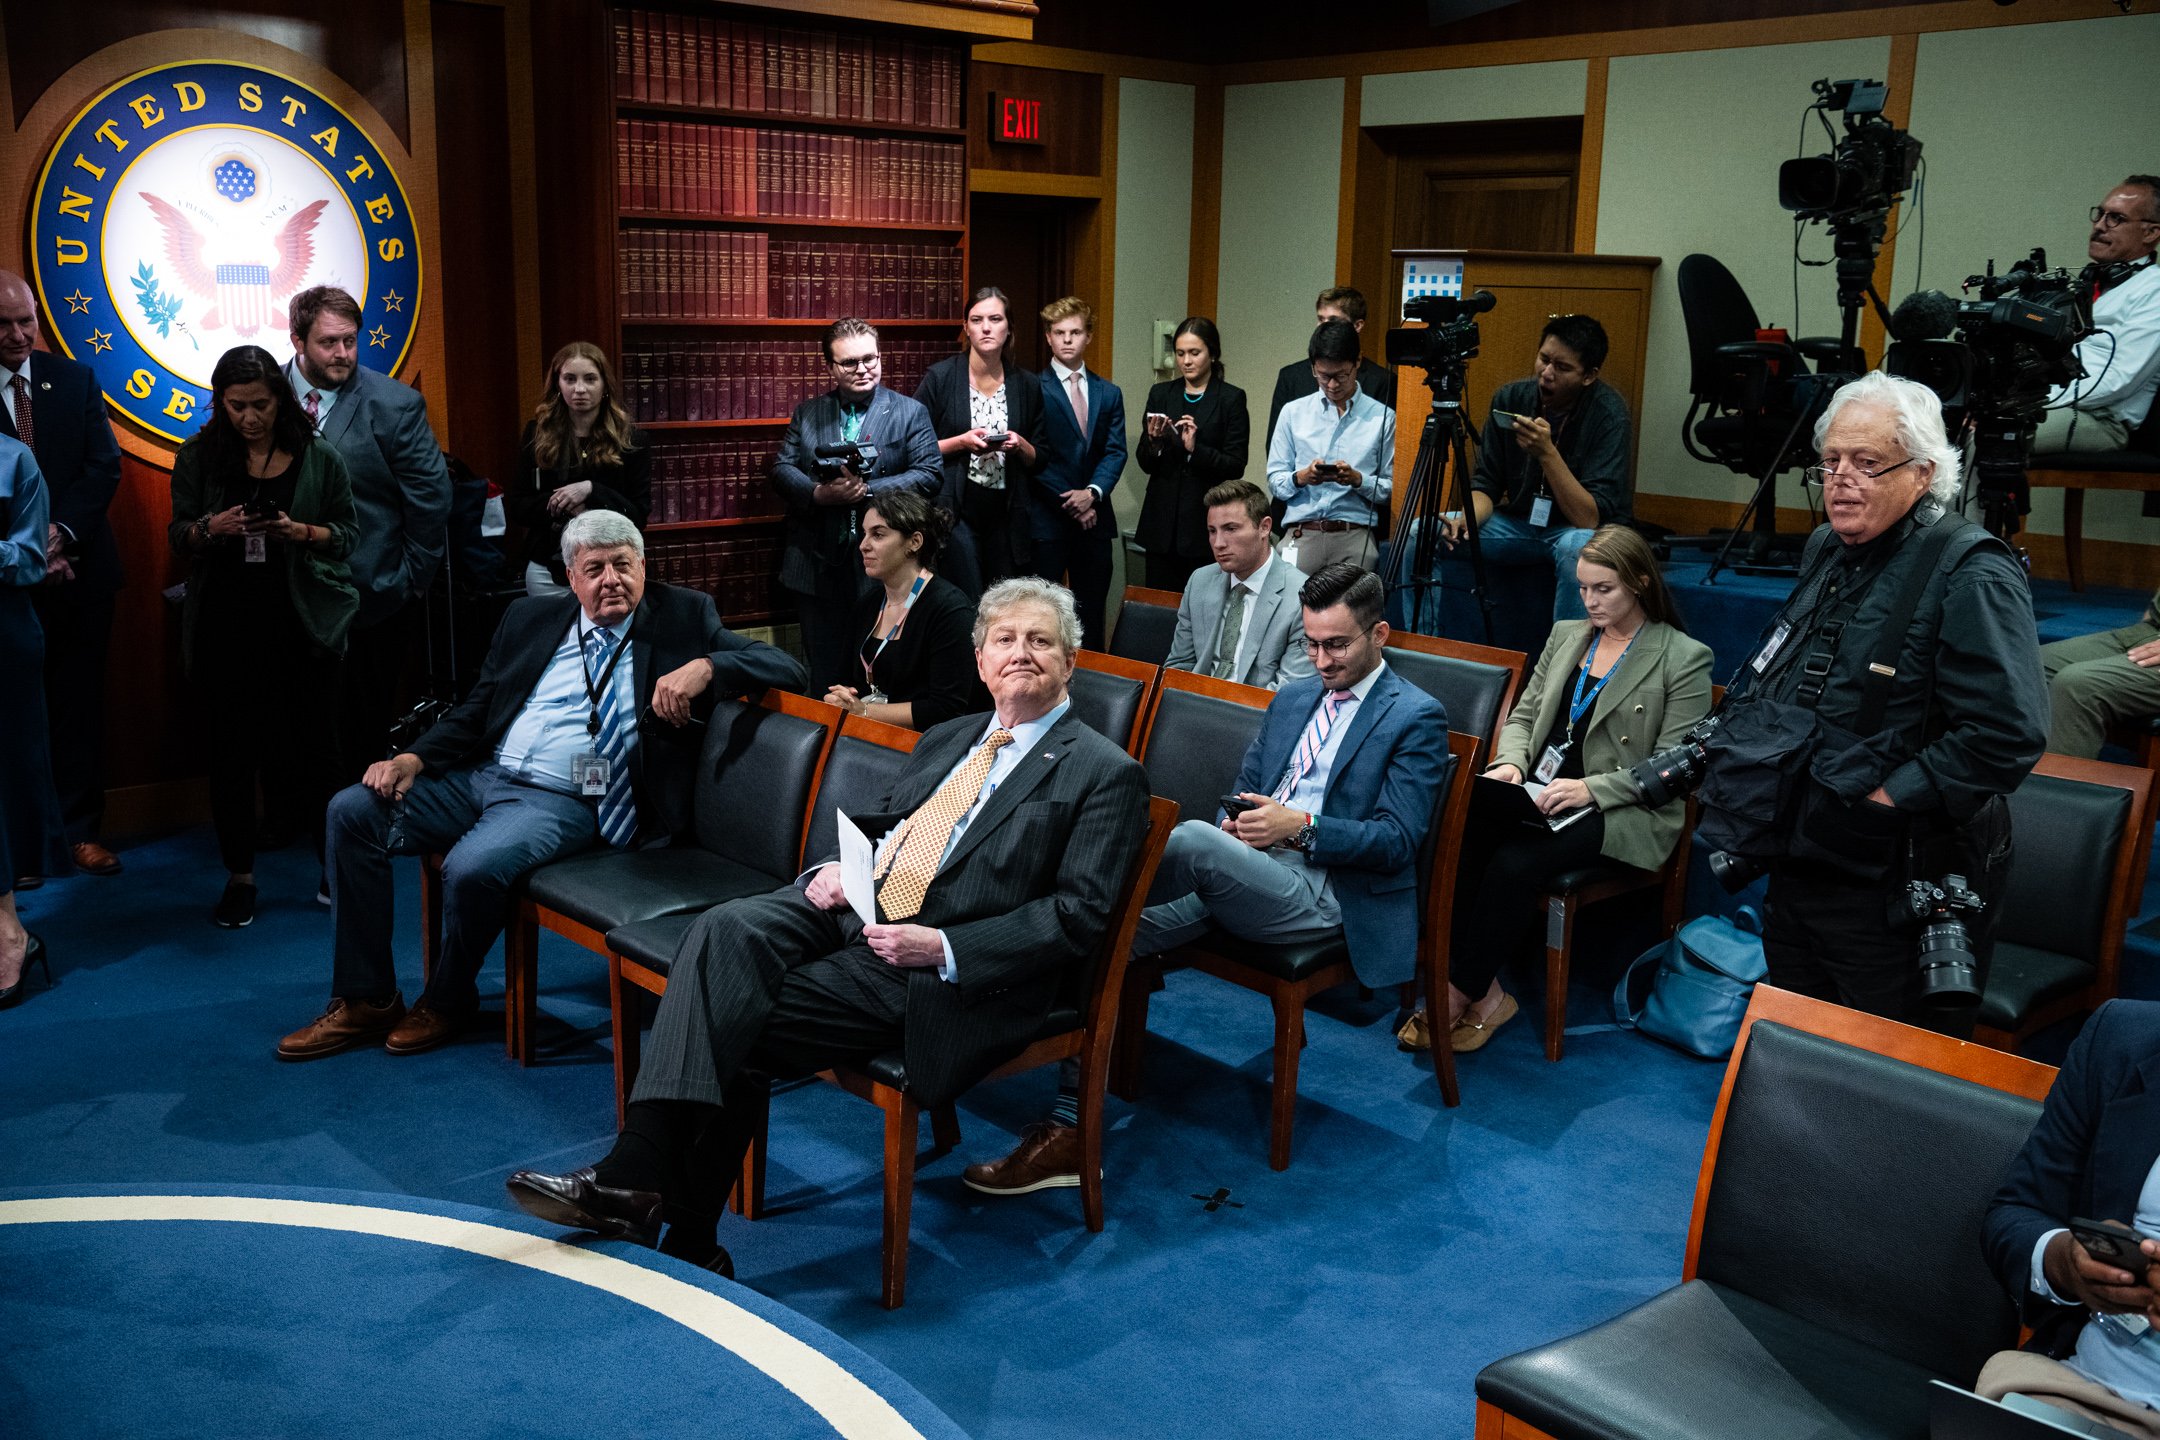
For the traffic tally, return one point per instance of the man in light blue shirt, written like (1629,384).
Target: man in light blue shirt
(1332,459)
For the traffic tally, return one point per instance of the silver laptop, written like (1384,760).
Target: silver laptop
(1955,1414)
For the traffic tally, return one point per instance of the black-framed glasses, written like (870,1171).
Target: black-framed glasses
(2109,219)
(1335,645)
(860,362)
(1819,475)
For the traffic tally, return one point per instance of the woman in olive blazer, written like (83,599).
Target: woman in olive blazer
(1607,693)
(1195,436)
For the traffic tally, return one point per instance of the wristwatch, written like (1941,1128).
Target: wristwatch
(1304,837)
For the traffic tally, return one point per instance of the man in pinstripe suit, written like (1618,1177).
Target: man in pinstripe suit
(1000,852)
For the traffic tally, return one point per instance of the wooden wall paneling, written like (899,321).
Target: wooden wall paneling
(574,184)
(1590,169)
(1202,269)
(1347,189)
(1097,268)
(522,121)
(1904,57)
(1001,19)
(1096,62)
(1072,112)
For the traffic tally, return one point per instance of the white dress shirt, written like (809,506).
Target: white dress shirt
(2121,1352)
(1311,791)
(1251,586)
(2122,365)
(325,395)
(549,733)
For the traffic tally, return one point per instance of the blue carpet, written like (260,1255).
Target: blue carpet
(312,1312)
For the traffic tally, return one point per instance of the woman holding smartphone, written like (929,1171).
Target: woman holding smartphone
(264,516)
(915,665)
(987,413)
(1196,436)
(1608,692)
(579,452)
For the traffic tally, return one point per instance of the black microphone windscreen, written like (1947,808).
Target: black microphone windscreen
(1924,315)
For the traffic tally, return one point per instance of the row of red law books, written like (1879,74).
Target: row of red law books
(738,573)
(714,480)
(742,65)
(751,379)
(736,172)
(713,275)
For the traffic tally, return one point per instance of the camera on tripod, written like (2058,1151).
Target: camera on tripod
(1949,975)
(1869,168)
(1450,339)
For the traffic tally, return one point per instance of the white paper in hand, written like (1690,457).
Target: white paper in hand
(855,868)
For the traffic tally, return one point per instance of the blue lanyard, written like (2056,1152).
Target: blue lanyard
(1581,704)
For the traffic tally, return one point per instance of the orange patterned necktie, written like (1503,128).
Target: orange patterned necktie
(912,862)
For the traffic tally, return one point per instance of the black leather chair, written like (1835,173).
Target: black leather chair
(1834,1266)
(1476,683)
(753,789)
(2135,468)
(2082,828)
(1146,624)
(1110,695)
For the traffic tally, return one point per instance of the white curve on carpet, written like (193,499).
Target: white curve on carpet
(852,1408)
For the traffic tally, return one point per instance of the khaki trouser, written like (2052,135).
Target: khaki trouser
(2019,1372)
(2092,684)
(2079,431)
(1317,547)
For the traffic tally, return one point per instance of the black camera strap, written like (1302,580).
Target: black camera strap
(1882,670)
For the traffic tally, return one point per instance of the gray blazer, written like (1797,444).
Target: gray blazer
(819,558)
(400,489)
(1275,635)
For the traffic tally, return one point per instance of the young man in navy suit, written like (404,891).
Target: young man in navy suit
(1341,784)
(1078,463)
(2094,1154)
(55,406)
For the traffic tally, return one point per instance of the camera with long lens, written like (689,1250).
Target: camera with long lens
(1869,168)
(1679,768)
(857,455)
(1949,975)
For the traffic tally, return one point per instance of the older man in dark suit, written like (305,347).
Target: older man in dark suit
(55,406)
(1000,850)
(401,491)
(575,732)
(820,564)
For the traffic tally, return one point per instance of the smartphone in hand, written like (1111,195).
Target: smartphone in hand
(1505,419)
(2112,1243)
(1238,804)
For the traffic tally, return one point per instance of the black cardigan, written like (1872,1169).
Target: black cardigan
(625,488)
(944,393)
(1173,517)
(930,664)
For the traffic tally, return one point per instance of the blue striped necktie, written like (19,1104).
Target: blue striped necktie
(1313,741)
(618,809)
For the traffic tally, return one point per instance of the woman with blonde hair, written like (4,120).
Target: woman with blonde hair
(580,452)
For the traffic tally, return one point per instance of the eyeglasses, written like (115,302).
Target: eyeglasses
(1819,475)
(1336,645)
(860,362)
(2109,219)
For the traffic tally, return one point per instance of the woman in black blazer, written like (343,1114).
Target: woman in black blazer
(579,452)
(914,664)
(972,398)
(1196,435)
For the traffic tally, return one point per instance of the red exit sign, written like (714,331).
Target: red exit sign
(1016,120)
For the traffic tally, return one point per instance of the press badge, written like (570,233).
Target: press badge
(1541,511)
(1776,643)
(1548,764)
(592,771)
(257,550)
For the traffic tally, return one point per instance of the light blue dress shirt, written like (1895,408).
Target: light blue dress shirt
(2121,1352)
(1362,437)
(549,733)
(1311,791)
(25,511)
(325,397)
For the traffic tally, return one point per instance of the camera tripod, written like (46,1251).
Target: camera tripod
(1413,562)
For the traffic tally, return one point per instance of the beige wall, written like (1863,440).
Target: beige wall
(2004,175)
(1154,246)
(1486,92)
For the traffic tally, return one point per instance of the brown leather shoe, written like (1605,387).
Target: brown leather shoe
(423,1028)
(94,859)
(345,1024)
(1047,1157)
(1471,1034)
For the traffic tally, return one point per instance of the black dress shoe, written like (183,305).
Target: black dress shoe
(699,1249)
(35,955)
(581,1202)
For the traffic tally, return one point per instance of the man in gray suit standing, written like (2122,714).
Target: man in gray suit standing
(821,564)
(1240,618)
(401,490)
(1000,852)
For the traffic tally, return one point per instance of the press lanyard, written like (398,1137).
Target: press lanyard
(870,660)
(1581,704)
(594,690)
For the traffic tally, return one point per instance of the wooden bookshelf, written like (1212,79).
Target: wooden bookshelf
(718,113)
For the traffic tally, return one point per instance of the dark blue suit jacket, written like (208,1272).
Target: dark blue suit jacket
(2088,1157)
(81,462)
(1064,460)
(1381,793)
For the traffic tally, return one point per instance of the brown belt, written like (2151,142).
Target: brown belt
(1326,527)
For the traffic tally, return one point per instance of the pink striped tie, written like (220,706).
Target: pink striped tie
(1315,738)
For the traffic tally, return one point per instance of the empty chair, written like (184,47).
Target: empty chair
(1110,695)
(1146,624)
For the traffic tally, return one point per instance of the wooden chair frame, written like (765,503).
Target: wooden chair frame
(1960,1059)
(1150,675)
(521,932)
(2125,892)
(2074,484)
(1515,662)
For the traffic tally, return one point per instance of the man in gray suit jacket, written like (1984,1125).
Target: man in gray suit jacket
(821,564)
(1001,849)
(1240,618)
(401,492)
